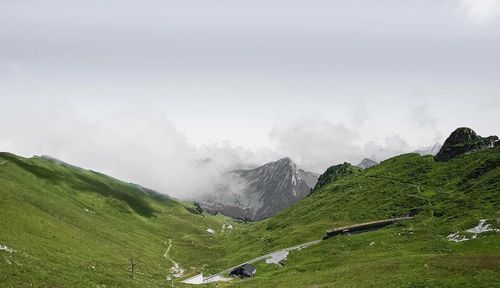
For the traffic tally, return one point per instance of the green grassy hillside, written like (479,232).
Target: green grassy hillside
(448,196)
(77,228)
(335,172)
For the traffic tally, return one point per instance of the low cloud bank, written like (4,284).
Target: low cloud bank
(480,11)
(317,144)
(144,148)
(147,149)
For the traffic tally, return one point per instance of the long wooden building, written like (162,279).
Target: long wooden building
(363,227)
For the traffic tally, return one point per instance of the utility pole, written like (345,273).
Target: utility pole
(170,279)
(132,266)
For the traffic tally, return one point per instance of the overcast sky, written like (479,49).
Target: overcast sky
(126,87)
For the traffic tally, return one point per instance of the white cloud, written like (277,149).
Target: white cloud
(480,11)
(140,147)
(217,82)
(423,117)
(317,144)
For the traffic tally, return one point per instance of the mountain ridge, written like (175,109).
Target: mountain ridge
(67,227)
(259,193)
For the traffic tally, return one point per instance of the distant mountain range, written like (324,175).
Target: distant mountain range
(431,150)
(259,193)
(67,226)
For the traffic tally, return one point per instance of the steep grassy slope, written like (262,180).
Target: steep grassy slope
(448,196)
(77,228)
(334,172)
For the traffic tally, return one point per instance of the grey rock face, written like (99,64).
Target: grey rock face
(367,163)
(259,193)
(463,140)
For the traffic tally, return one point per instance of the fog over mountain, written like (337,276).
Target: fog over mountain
(147,94)
(259,193)
(148,149)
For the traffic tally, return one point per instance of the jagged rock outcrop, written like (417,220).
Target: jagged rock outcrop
(255,194)
(367,163)
(336,172)
(464,140)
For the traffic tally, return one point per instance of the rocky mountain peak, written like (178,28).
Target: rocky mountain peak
(283,160)
(367,163)
(259,193)
(283,163)
(464,140)
(462,135)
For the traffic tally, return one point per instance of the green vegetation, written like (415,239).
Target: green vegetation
(77,228)
(43,216)
(449,197)
(335,172)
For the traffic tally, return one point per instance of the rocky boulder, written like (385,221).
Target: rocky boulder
(464,140)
